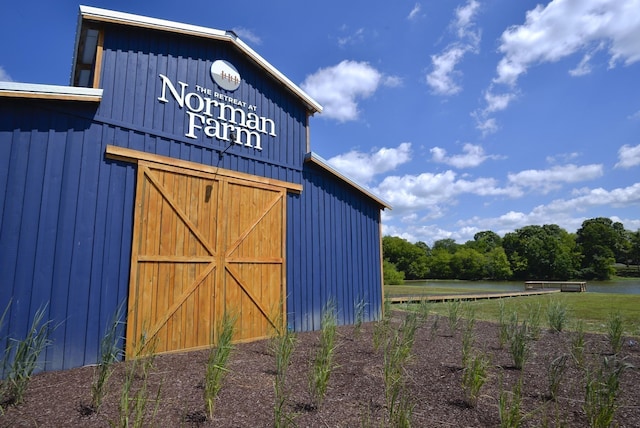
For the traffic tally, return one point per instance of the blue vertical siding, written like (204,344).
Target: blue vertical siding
(65,226)
(134,58)
(66,212)
(333,251)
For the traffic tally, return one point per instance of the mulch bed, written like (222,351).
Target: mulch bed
(355,396)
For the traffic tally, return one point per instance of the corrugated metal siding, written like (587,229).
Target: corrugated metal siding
(132,64)
(333,252)
(65,226)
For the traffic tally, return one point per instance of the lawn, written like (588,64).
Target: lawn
(594,309)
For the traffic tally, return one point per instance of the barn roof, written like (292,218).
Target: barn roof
(319,161)
(91,14)
(32,90)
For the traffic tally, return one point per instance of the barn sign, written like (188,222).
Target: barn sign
(217,115)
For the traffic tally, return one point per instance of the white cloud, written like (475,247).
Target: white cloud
(485,125)
(392,81)
(415,12)
(564,27)
(628,156)
(562,157)
(620,197)
(584,67)
(436,192)
(247,35)
(553,178)
(566,213)
(497,102)
(494,102)
(556,31)
(441,78)
(352,39)
(464,19)
(364,166)
(340,87)
(473,155)
(4,76)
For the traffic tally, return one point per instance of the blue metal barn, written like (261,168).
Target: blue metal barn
(173,177)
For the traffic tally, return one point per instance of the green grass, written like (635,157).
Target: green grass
(593,308)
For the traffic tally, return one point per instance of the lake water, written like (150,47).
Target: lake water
(618,287)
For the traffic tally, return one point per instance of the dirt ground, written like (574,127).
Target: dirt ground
(356,391)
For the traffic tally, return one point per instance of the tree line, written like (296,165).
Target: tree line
(546,252)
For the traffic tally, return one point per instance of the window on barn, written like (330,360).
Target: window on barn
(87,70)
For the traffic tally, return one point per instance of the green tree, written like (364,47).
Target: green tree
(634,251)
(407,257)
(542,252)
(440,264)
(485,241)
(598,240)
(468,263)
(447,244)
(424,247)
(497,265)
(391,275)
(622,250)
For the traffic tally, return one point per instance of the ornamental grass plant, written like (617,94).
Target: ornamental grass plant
(110,353)
(282,345)
(615,331)
(218,360)
(557,315)
(323,362)
(22,356)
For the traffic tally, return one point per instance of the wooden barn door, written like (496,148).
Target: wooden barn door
(203,244)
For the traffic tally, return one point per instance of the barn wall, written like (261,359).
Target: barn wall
(66,211)
(132,62)
(65,228)
(333,252)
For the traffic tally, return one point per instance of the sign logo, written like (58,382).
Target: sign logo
(225,75)
(216,114)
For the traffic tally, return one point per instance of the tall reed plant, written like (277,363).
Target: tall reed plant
(602,390)
(135,396)
(24,358)
(615,331)
(503,324)
(454,315)
(509,406)
(397,352)
(218,360)
(110,353)
(5,358)
(282,345)
(382,327)
(360,308)
(555,372)
(468,335)
(578,344)
(474,376)
(323,363)
(557,315)
(518,341)
(534,319)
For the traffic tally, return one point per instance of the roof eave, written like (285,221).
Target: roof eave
(319,161)
(53,92)
(88,13)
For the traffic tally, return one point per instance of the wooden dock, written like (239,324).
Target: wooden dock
(564,286)
(469,296)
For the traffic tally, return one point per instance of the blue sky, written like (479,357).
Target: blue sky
(464,115)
